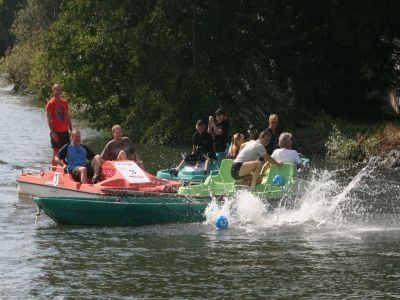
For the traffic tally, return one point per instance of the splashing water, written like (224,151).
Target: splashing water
(326,200)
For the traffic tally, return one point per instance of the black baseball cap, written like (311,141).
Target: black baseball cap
(220,111)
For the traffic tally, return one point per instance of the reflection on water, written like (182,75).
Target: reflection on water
(341,239)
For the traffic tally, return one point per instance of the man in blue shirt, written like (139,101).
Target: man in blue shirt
(76,156)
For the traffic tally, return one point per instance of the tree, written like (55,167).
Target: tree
(8,9)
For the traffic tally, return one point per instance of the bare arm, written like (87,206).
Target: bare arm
(212,128)
(137,160)
(59,161)
(69,120)
(135,156)
(52,132)
(271,160)
(265,168)
(49,122)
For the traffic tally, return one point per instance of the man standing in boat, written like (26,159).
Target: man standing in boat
(76,156)
(218,127)
(247,165)
(272,129)
(120,148)
(59,121)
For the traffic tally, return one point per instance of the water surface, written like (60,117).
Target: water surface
(340,240)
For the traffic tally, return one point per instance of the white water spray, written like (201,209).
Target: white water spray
(321,204)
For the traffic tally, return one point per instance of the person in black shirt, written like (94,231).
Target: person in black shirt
(219,129)
(203,149)
(272,129)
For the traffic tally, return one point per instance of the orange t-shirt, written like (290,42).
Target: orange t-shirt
(58,110)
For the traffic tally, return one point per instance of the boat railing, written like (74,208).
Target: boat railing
(33,171)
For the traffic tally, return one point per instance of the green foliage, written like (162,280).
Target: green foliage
(8,9)
(157,66)
(18,64)
(24,64)
(356,147)
(34,18)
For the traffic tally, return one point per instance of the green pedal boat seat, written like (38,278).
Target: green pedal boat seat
(222,183)
(287,171)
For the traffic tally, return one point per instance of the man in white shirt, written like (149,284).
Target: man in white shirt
(285,154)
(248,164)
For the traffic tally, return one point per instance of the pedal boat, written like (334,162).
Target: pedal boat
(190,173)
(116,176)
(129,208)
(221,183)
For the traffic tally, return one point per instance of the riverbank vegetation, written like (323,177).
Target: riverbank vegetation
(156,66)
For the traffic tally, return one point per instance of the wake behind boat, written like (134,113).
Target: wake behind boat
(117,175)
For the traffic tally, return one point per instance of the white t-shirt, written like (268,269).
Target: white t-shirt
(286,156)
(253,150)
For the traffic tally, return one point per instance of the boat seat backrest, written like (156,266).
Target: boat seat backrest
(287,171)
(225,171)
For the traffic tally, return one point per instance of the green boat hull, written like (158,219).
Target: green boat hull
(123,211)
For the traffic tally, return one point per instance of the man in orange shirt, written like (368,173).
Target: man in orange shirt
(59,121)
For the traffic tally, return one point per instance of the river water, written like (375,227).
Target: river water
(340,240)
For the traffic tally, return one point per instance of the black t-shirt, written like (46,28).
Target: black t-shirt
(221,139)
(274,141)
(203,143)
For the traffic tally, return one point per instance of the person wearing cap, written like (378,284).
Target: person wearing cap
(272,129)
(218,127)
(203,149)
(252,133)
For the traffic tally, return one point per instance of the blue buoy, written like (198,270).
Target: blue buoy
(278,180)
(221,222)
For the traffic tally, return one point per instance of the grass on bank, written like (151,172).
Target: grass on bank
(324,136)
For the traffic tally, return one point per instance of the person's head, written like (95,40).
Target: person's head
(75,137)
(264,138)
(117,132)
(273,121)
(286,140)
(238,139)
(56,90)
(252,131)
(220,115)
(201,126)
